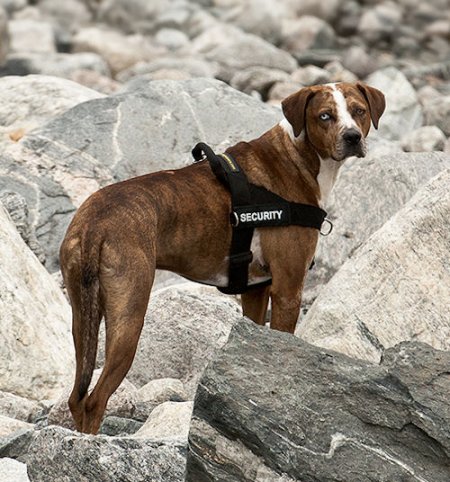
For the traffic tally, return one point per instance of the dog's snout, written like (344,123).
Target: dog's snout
(352,137)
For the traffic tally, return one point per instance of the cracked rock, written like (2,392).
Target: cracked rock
(272,407)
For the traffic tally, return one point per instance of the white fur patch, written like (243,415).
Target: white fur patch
(345,120)
(327,177)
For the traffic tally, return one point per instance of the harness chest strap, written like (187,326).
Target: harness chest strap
(253,206)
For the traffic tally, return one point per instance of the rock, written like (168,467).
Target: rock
(28,102)
(393,288)
(168,421)
(233,51)
(31,36)
(427,138)
(257,79)
(17,208)
(132,15)
(12,6)
(104,140)
(56,64)
(403,111)
(338,73)
(17,444)
(122,403)
(368,192)
(18,407)
(10,425)
(119,51)
(437,112)
(4,36)
(66,17)
(311,75)
(281,90)
(119,426)
(34,322)
(94,80)
(346,23)
(191,66)
(307,33)
(357,60)
(324,9)
(259,17)
(380,22)
(162,390)
(13,471)
(171,38)
(59,455)
(272,407)
(184,326)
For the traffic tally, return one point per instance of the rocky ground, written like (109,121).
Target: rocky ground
(96,91)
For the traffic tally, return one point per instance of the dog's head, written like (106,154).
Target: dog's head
(335,118)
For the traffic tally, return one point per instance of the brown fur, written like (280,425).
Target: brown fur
(179,221)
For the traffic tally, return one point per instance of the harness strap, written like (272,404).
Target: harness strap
(252,206)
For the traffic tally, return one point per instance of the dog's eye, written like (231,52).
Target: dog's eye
(325,117)
(359,111)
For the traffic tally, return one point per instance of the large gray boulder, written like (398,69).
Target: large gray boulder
(272,407)
(28,102)
(403,111)
(35,338)
(4,35)
(368,192)
(152,126)
(59,455)
(395,287)
(13,471)
(184,326)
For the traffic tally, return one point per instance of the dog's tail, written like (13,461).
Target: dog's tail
(90,309)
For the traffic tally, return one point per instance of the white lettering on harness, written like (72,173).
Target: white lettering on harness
(260,216)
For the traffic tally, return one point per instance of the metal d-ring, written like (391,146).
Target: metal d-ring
(330,227)
(234,219)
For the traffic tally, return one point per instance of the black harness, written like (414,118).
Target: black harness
(253,207)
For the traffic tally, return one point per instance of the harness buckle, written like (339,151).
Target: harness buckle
(241,258)
(330,227)
(234,219)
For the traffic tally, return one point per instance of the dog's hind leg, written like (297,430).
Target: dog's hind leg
(125,296)
(254,304)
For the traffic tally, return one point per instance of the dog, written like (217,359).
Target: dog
(178,220)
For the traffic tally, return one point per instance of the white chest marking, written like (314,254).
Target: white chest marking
(345,119)
(326,179)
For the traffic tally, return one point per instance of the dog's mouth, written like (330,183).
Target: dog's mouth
(344,151)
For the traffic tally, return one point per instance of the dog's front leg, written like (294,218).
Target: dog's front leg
(286,297)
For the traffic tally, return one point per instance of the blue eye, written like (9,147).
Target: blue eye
(325,116)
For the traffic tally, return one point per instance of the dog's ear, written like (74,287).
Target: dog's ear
(376,101)
(294,109)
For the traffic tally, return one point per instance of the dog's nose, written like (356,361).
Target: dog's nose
(352,137)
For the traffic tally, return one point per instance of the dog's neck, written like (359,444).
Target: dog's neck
(324,170)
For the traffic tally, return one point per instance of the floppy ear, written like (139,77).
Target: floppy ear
(376,101)
(294,109)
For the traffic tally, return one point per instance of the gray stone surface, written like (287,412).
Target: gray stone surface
(395,287)
(59,455)
(16,445)
(437,112)
(368,192)
(4,36)
(271,407)
(13,471)
(403,112)
(29,102)
(18,407)
(56,64)
(184,326)
(424,139)
(35,338)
